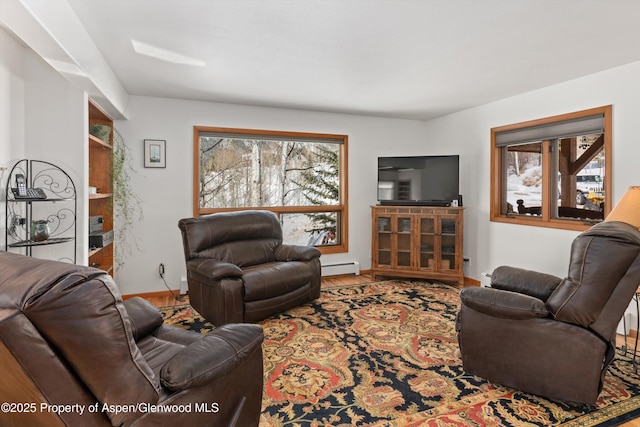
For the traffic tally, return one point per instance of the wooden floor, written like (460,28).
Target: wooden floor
(327,282)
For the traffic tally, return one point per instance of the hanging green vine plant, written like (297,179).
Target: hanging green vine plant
(126,203)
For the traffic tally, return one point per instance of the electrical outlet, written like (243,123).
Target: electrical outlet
(161,270)
(466,261)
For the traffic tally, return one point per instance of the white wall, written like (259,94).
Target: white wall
(489,245)
(36,97)
(167,193)
(56,132)
(12,88)
(43,117)
(11,106)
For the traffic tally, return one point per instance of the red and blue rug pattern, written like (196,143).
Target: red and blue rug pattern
(383,354)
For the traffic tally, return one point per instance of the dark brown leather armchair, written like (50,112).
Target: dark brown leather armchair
(72,353)
(238,269)
(549,336)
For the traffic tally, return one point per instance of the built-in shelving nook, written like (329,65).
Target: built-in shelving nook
(101,136)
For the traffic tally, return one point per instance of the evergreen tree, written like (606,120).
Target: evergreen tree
(320,185)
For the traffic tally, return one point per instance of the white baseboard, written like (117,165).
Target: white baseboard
(336,269)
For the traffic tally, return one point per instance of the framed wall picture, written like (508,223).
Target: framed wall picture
(155,155)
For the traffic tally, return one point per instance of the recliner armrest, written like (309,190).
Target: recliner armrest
(296,253)
(504,304)
(144,317)
(528,282)
(213,356)
(206,269)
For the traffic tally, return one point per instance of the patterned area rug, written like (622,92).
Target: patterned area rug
(382,354)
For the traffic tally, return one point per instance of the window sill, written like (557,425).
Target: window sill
(541,222)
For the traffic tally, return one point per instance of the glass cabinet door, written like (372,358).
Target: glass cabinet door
(384,240)
(424,242)
(427,243)
(448,231)
(403,241)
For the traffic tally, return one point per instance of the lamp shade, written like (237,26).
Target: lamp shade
(628,208)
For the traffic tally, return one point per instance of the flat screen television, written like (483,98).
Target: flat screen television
(418,180)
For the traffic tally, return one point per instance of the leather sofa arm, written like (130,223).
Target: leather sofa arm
(211,357)
(144,317)
(528,282)
(207,269)
(503,304)
(296,253)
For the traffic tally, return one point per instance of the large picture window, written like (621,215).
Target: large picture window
(299,176)
(553,172)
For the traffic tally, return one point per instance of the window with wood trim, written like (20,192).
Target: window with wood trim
(302,177)
(553,172)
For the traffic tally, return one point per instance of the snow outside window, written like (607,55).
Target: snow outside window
(553,172)
(299,176)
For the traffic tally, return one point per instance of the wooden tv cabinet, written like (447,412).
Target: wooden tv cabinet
(418,242)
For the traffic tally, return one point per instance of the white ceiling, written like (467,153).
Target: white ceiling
(394,58)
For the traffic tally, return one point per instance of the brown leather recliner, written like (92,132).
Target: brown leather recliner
(72,353)
(238,269)
(549,336)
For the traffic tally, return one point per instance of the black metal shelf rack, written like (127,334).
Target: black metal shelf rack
(58,209)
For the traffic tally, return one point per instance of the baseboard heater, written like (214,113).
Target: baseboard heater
(336,269)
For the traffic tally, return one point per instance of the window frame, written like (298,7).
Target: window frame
(341,208)
(546,219)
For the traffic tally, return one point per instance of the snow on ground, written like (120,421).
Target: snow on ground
(526,186)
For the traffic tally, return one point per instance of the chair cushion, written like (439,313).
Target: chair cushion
(212,357)
(274,279)
(144,317)
(241,238)
(504,304)
(600,257)
(243,252)
(83,317)
(528,282)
